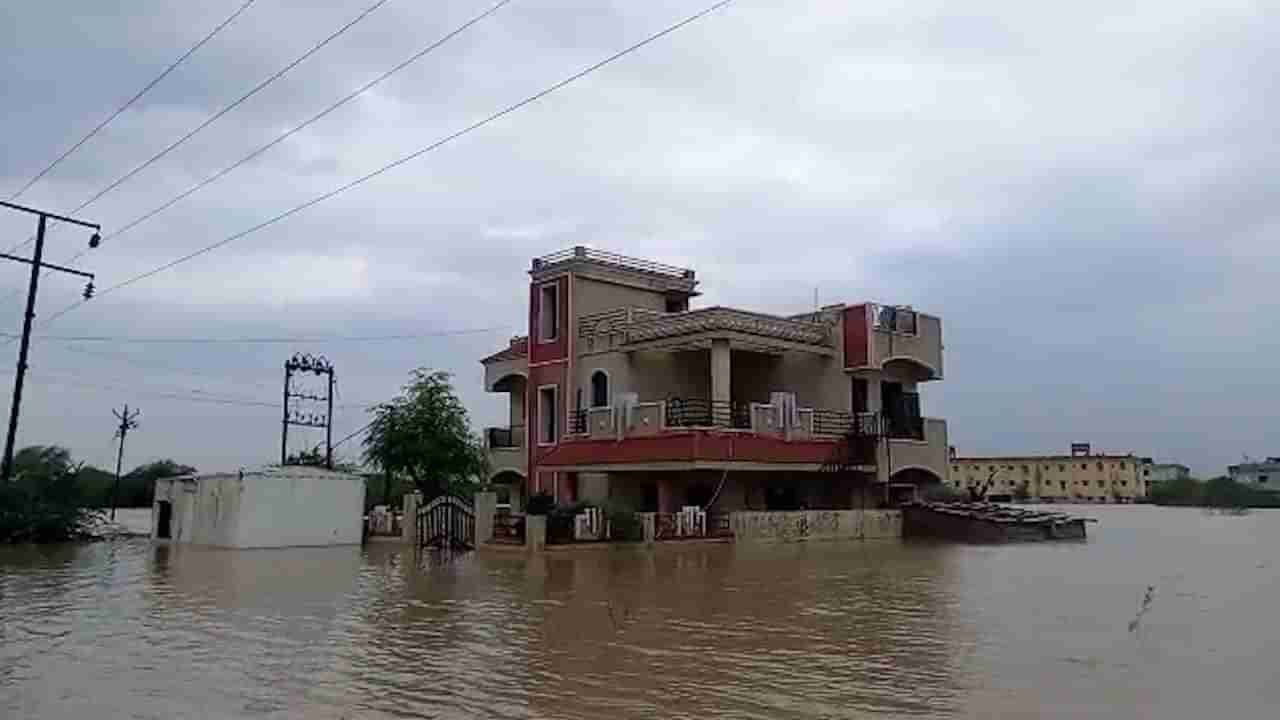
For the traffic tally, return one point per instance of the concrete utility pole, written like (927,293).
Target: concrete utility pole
(128,421)
(36,261)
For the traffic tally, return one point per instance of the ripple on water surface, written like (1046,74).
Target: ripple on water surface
(804,631)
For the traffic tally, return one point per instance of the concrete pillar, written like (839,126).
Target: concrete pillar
(874,402)
(721,371)
(486,504)
(517,496)
(648,527)
(409,518)
(535,533)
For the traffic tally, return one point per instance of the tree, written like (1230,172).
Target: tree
(138,487)
(1179,491)
(42,502)
(423,434)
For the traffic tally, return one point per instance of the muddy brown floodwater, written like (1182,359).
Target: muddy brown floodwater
(818,630)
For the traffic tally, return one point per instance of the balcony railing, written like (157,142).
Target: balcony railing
(630,263)
(505,437)
(578,421)
(699,412)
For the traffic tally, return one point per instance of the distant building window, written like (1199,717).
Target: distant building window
(1099,466)
(677,305)
(549,312)
(1146,473)
(1062,468)
(1084,466)
(991,467)
(1062,484)
(1122,466)
(1026,469)
(1008,467)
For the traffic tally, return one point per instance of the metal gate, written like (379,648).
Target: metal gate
(447,523)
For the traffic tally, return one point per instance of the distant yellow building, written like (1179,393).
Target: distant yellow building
(1080,477)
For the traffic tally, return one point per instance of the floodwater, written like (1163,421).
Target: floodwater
(819,630)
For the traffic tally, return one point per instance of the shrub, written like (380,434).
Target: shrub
(540,504)
(36,507)
(624,524)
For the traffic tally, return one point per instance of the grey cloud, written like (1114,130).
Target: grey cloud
(1082,192)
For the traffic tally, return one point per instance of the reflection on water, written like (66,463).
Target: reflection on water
(806,631)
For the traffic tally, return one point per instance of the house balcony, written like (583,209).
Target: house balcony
(506,449)
(699,433)
(895,338)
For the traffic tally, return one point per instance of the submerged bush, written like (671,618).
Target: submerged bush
(43,503)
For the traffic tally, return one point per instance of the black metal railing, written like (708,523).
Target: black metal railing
(578,422)
(505,437)
(902,419)
(630,263)
(700,412)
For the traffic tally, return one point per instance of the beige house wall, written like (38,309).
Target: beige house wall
(593,296)
(497,370)
(925,345)
(1059,478)
(931,454)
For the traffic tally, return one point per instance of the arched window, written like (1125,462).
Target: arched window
(599,389)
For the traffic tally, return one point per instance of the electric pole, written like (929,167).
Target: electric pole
(128,421)
(36,261)
(317,365)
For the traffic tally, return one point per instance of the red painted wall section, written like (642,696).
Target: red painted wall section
(857,330)
(559,348)
(555,372)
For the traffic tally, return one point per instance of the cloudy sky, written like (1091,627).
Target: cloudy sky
(1086,193)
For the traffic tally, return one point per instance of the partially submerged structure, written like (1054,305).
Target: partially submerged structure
(621,391)
(272,507)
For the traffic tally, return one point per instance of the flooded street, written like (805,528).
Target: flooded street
(818,630)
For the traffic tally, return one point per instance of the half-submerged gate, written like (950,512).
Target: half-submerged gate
(447,523)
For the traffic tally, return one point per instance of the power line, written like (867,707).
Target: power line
(129,103)
(406,158)
(188,394)
(313,119)
(218,115)
(233,105)
(263,340)
(357,432)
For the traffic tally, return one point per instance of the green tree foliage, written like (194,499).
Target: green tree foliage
(42,502)
(1186,491)
(541,503)
(52,498)
(139,486)
(1220,492)
(424,435)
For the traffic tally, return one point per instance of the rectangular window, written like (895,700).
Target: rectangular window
(548,427)
(548,312)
